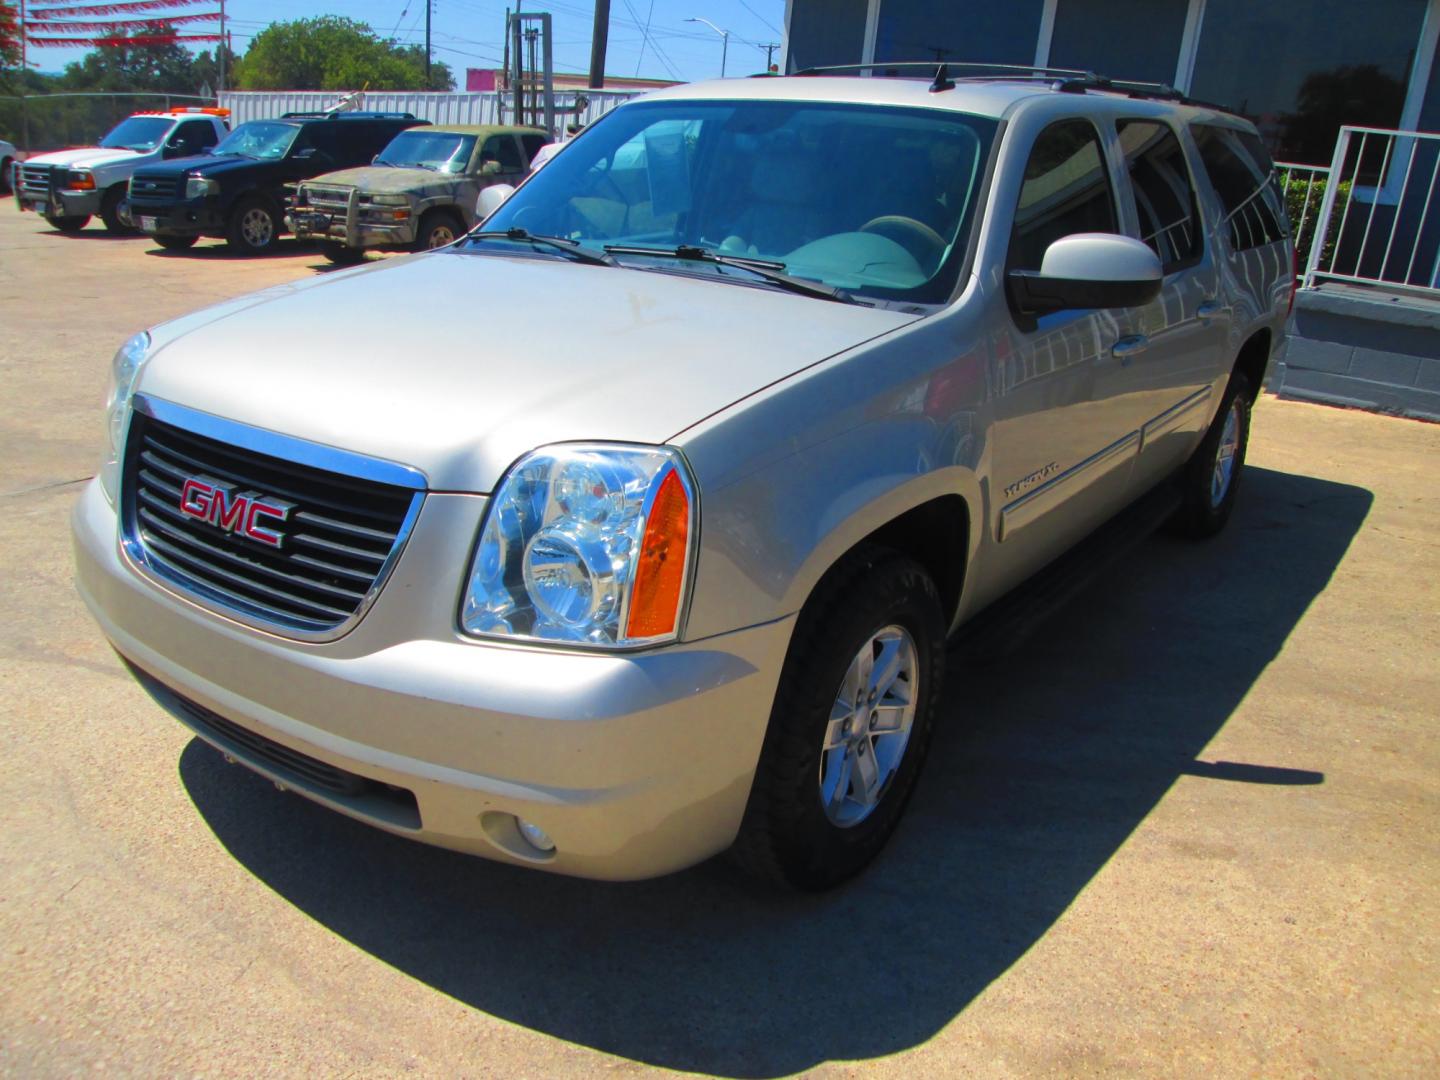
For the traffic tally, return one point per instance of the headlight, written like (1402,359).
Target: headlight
(390,200)
(197,187)
(124,370)
(588,544)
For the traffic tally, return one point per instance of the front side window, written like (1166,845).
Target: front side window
(266,140)
(1066,191)
(195,135)
(874,200)
(1241,173)
(141,133)
(502,148)
(438,151)
(1163,194)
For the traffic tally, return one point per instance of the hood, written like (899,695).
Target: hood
(87,156)
(457,363)
(389,180)
(204,165)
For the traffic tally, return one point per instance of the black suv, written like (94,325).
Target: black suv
(237,190)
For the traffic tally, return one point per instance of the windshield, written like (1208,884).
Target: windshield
(873,200)
(259,139)
(439,150)
(137,133)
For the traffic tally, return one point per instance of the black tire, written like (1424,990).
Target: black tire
(437,228)
(6,188)
(343,254)
(1206,501)
(246,232)
(72,224)
(787,836)
(176,243)
(110,212)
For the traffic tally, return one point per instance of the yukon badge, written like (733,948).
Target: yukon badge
(244,512)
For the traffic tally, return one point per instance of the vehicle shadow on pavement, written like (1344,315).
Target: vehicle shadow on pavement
(211,248)
(1045,762)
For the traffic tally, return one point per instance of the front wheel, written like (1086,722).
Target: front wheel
(851,724)
(254,227)
(437,229)
(1211,478)
(110,213)
(176,243)
(71,224)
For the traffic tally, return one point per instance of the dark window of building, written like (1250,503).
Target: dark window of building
(826,32)
(532,144)
(996,33)
(1164,195)
(1240,171)
(1066,190)
(1124,39)
(1300,71)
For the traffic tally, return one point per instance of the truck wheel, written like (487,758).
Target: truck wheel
(253,227)
(437,228)
(1210,479)
(176,243)
(850,726)
(6,164)
(72,224)
(343,254)
(110,212)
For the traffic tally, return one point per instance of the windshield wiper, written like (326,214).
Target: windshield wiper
(769,269)
(559,243)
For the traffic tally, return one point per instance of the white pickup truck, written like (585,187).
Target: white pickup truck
(69,187)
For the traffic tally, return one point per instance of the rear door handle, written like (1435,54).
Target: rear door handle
(1130,346)
(1209,309)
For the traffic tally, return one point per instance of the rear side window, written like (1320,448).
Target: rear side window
(1243,177)
(532,144)
(1066,190)
(1164,196)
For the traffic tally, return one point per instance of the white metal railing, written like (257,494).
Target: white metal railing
(1379,219)
(1303,184)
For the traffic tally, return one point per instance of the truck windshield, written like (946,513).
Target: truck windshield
(263,139)
(141,133)
(438,150)
(877,201)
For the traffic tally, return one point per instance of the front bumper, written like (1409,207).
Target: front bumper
(325,225)
(61,203)
(635,764)
(196,218)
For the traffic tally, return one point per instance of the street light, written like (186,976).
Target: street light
(724,40)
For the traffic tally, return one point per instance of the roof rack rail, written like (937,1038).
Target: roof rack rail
(358,115)
(1065,80)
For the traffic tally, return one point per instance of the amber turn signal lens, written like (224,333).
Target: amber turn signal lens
(81,182)
(655,604)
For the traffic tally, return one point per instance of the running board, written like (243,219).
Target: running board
(1003,625)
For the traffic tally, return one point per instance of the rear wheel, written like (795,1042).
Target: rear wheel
(437,228)
(1210,480)
(176,243)
(6,187)
(71,224)
(343,254)
(110,212)
(254,227)
(851,723)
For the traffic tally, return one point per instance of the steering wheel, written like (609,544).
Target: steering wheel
(914,236)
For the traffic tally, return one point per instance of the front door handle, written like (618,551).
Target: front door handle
(1209,309)
(1130,346)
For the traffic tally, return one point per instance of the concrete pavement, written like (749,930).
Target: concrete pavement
(1189,827)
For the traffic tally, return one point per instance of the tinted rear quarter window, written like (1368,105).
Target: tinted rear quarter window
(1243,177)
(1163,193)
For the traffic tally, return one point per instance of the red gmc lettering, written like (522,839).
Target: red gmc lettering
(256,531)
(223,508)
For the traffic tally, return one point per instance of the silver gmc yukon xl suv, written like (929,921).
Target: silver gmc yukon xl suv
(646,543)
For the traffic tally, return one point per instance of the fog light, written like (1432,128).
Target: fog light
(535,836)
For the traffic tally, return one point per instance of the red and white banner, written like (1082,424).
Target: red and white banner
(120,42)
(45,11)
(119,26)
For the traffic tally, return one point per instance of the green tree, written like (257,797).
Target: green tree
(163,68)
(330,52)
(205,71)
(9,36)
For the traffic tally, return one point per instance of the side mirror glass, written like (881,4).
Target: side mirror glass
(173,149)
(491,199)
(1088,270)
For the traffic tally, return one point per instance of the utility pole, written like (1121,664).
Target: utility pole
(220,49)
(24,104)
(769,52)
(599,42)
(428,5)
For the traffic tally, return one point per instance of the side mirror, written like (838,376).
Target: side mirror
(491,199)
(173,149)
(490,168)
(1088,270)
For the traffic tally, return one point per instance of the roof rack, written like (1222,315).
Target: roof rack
(331,115)
(1064,80)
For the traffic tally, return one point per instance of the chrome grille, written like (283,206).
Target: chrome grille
(339,541)
(153,188)
(323,198)
(34,180)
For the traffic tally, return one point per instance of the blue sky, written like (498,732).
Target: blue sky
(469,33)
